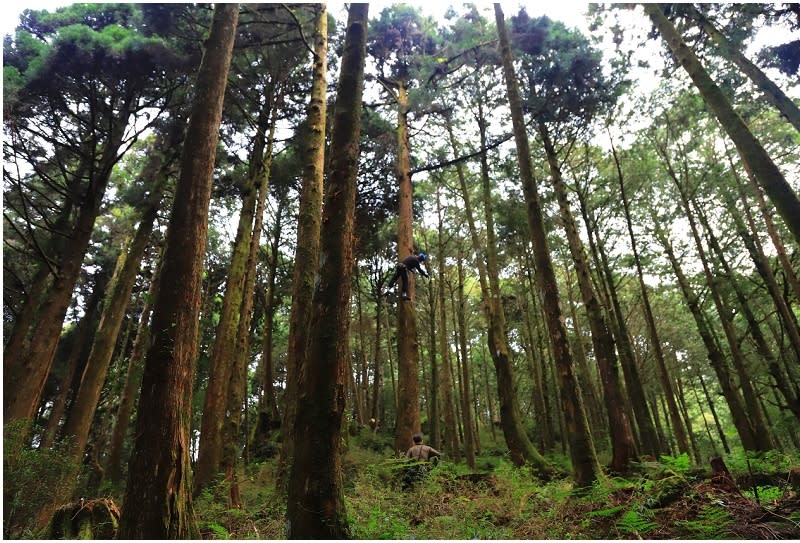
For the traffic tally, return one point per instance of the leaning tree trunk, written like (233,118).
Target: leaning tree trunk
(158,497)
(584,460)
(316,507)
(116,303)
(771,91)
(753,154)
(25,373)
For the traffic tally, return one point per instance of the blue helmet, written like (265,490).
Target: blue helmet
(422,257)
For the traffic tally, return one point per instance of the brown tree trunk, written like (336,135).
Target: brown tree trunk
(76,360)
(466,389)
(223,355)
(408,418)
(316,508)
(729,390)
(753,155)
(308,240)
(26,372)
(117,299)
(448,403)
(633,382)
(622,443)
(130,391)
(158,497)
(584,460)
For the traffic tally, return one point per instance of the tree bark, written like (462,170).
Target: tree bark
(316,507)
(308,241)
(448,403)
(158,499)
(408,418)
(584,460)
(753,155)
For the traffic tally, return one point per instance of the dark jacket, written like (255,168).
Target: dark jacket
(412,263)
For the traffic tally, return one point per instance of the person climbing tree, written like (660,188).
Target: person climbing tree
(408,264)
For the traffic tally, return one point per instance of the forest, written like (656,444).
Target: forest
(252,251)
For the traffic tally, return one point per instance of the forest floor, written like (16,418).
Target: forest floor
(668,499)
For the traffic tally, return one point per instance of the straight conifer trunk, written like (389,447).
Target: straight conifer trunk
(308,240)
(408,418)
(316,508)
(584,460)
(158,500)
(622,443)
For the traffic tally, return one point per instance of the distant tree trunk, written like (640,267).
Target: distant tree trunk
(130,391)
(780,248)
(268,416)
(223,355)
(652,332)
(755,415)
(687,420)
(466,392)
(584,460)
(117,299)
(772,92)
(76,360)
(633,382)
(715,356)
(448,403)
(753,244)
(713,409)
(158,496)
(753,154)
(307,248)
(316,507)
(622,443)
(408,418)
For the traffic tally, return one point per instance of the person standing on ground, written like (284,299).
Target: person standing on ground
(408,264)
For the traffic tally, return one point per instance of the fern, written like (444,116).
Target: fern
(765,493)
(678,464)
(711,523)
(633,522)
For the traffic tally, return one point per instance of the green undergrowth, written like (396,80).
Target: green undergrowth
(661,499)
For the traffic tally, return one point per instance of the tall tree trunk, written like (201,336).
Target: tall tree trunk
(268,416)
(466,389)
(307,248)
(652,332)
(448,403)
(754,156)
(130,391)
(26,372)
(755,415)
(715,356)
(408,418)
(76,360)
(622,443)
(633,382)
(316,507)
(117,299)
(585,467)
(772,92)
(223,354)
(158,498)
